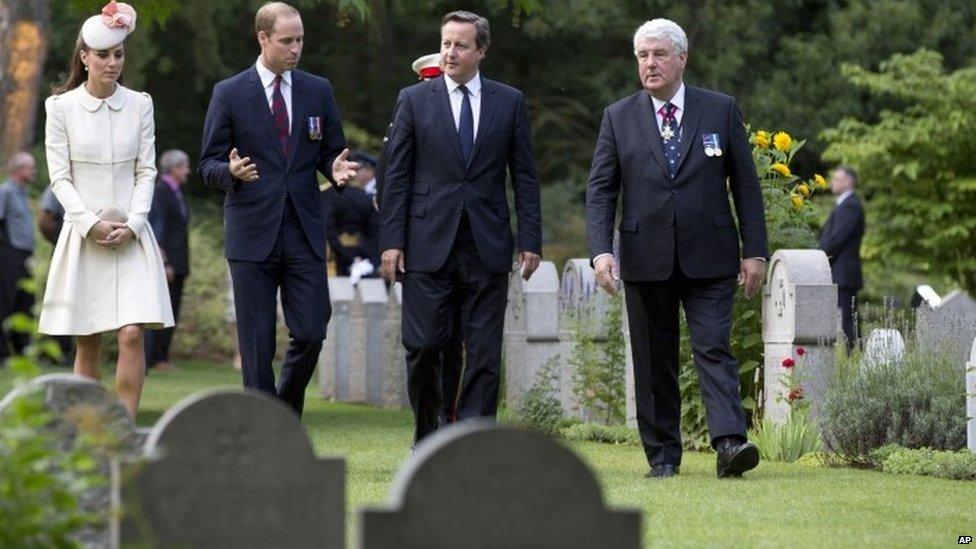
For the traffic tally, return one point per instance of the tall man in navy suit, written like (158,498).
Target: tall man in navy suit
(268,130)
(675,152)
(445,219)
(841,241)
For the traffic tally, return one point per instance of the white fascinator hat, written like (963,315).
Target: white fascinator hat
(109,28)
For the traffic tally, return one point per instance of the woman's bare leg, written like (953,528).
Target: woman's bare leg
(131,368)
(88,356)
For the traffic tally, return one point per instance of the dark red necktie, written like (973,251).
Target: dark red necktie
(279,114)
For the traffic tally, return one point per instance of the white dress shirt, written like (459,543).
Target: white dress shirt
(267,80)
(678,100)
(843,196)
(457,97)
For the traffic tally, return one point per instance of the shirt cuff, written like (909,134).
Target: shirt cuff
(597,258)
(760,258)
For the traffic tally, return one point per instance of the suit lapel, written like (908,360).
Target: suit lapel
(689,121)
(259,102)
(442,111)
(489,101)
(647,121)
(297,116)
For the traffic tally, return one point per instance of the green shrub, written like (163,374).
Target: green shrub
(788,441)
(540,408)
(607,434)
(916,403)
(598,380)
(960,465)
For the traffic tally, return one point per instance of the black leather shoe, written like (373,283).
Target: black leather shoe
(663,470)
(735,457)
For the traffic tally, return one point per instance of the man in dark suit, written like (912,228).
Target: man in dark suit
(352,222)
(675,152)
(267,131)
(170,221)
(841,241)
(445,219)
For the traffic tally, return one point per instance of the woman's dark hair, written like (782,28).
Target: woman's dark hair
(76,70)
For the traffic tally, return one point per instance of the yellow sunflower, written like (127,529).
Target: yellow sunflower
(781,169)
(782,141)
(804,190)
(821,182)
(762,139)
(797,202)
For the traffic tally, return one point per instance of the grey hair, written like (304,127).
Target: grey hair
(172,158)
(18,160)
(662,28)
(483,37)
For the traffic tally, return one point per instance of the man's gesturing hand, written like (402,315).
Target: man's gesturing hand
(242,168)
(343,169)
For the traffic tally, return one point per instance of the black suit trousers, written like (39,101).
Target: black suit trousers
(463,291)
(652,310)
(849,319)
(300,273)
(157,342)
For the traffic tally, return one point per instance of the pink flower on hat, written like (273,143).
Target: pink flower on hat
(118,15)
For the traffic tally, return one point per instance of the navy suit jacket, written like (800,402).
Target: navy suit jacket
(239,116)
(171,227)
(841,241)
(426,187)
(687,216)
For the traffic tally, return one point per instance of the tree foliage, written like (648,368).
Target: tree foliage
(917,164)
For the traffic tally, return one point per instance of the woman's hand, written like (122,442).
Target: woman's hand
(101,230)
(119,235)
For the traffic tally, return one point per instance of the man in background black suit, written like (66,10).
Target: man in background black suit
(841,241)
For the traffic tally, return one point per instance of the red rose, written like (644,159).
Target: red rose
(795,394)
(788,363)
(800,351)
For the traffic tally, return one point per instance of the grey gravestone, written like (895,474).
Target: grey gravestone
(334,359)
(395,364)
(949,327)
(351,383)
(531,329)
(883,346)
(799,310)
(73,400)
(629,384)
(478,486)
(233,469)
(971,397)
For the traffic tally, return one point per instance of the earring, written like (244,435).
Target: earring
(86,68)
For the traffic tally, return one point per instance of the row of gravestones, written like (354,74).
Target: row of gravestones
(235,469)
(363,357)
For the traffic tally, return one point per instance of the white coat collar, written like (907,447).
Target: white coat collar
(91,103)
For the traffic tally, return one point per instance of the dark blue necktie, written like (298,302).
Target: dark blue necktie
(466,126)
(671,137)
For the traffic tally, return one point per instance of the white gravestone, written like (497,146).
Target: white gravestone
(531,329)
(335,356)
(971,398)
(799,311)
(884,346)
(948,327)
(395,364)
(373,298)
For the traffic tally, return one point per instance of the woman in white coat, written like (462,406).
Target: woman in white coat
(107,272)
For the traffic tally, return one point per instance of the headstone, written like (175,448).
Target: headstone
(74,400)
(948,327)
(478,486)
(629,384)
(351,382)
(799,311)
(395,364)
(531,330)
(230,469)
(334,359)
(373,298)
(971,398)
(883,346)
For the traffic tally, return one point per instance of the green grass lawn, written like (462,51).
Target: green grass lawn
(777,505)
